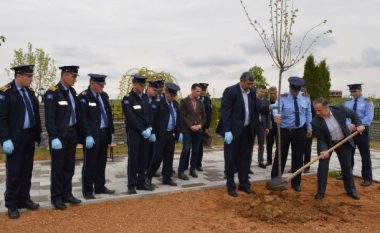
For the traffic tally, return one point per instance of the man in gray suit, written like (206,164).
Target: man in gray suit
(329,126)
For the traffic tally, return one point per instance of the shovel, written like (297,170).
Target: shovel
(279,184)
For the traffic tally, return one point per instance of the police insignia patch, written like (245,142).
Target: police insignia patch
(154,106)
(83,100)
(49,97)
(2,97)
(126,101)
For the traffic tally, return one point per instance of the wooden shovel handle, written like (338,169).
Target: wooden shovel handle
(320,156)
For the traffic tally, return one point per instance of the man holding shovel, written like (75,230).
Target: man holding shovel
(329,126)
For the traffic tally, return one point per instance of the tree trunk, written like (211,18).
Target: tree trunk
(278,125)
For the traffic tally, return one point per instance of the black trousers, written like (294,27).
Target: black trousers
(239,154)
(200,151)
(344,156)
(63,166)
(260,141)
(164,151)
(295,139)
(270,139)
(362,142)
(150,154)
(19,167)
(94,165)
(307,152)
(138,148)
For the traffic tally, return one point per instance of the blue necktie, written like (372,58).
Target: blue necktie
(103,112)
(172,123)
(296,112)
(355,105)
(32,120)
(72,120)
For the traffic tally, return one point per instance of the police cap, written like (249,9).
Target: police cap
(71,69)
(139,78)
(296,82)
(172,88)
(355,86)
(154,84)
(99,78)
(24,69)
(203,86)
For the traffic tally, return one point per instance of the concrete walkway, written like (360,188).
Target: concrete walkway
(116,174)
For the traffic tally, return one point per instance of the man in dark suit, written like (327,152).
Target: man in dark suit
(20,129)
(138,124)
(167,126)
(193,119)
(329,126)
(62,124)
(97,132)
(239,119)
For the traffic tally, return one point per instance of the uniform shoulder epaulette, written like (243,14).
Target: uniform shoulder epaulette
(53,88)
(83,93)
(5,88)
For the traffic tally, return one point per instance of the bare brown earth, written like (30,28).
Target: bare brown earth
(212,210)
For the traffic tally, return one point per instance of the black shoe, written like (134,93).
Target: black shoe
(146,187)
(262,165)
(71,200)
(247,190)
(173,172)
(156,174)
(232,193)
(200,169)
(29,204)
(307,170)
(13,213)
(170,182)
(250,172)
(89,196)
(59,205)
(353,194)
(105,191)
(182,176)
(268,164)
(319,196)
(296,188)
(132,191)
(339,177)
(193,173)
(366,183)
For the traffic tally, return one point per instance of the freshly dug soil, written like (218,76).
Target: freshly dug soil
(212,210)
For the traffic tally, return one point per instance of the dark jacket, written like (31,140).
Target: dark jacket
(161,118)
(137,112)
(265,119)
(58,111)
(190,116)
(12,114)
(321,130)
(208,110)
(90,115)
(232,115)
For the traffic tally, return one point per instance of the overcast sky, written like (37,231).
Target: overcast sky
(196,41)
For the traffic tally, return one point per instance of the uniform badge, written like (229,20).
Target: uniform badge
(83,100)
(92,104)
(154,106)
(126,101)
(137,107)
(49,96)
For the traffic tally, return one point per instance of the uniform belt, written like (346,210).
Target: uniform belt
(29,130)
(292,129)
(104,129)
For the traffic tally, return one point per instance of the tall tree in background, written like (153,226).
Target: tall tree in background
(44,70)
(259,74)
(279,43)
(317,78)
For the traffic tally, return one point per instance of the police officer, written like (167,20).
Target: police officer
(365,109)
(62,124)
(160,89)
(206,128)
(97,132)
(20,128)
(295,113)
(271,137)
(151,93)
(138,121)
(167,126)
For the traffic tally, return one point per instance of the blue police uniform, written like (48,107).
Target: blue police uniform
(96,121)
(365,110)
(61,119)
(295,118)
(167,128)
(138,119)
(21,126)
